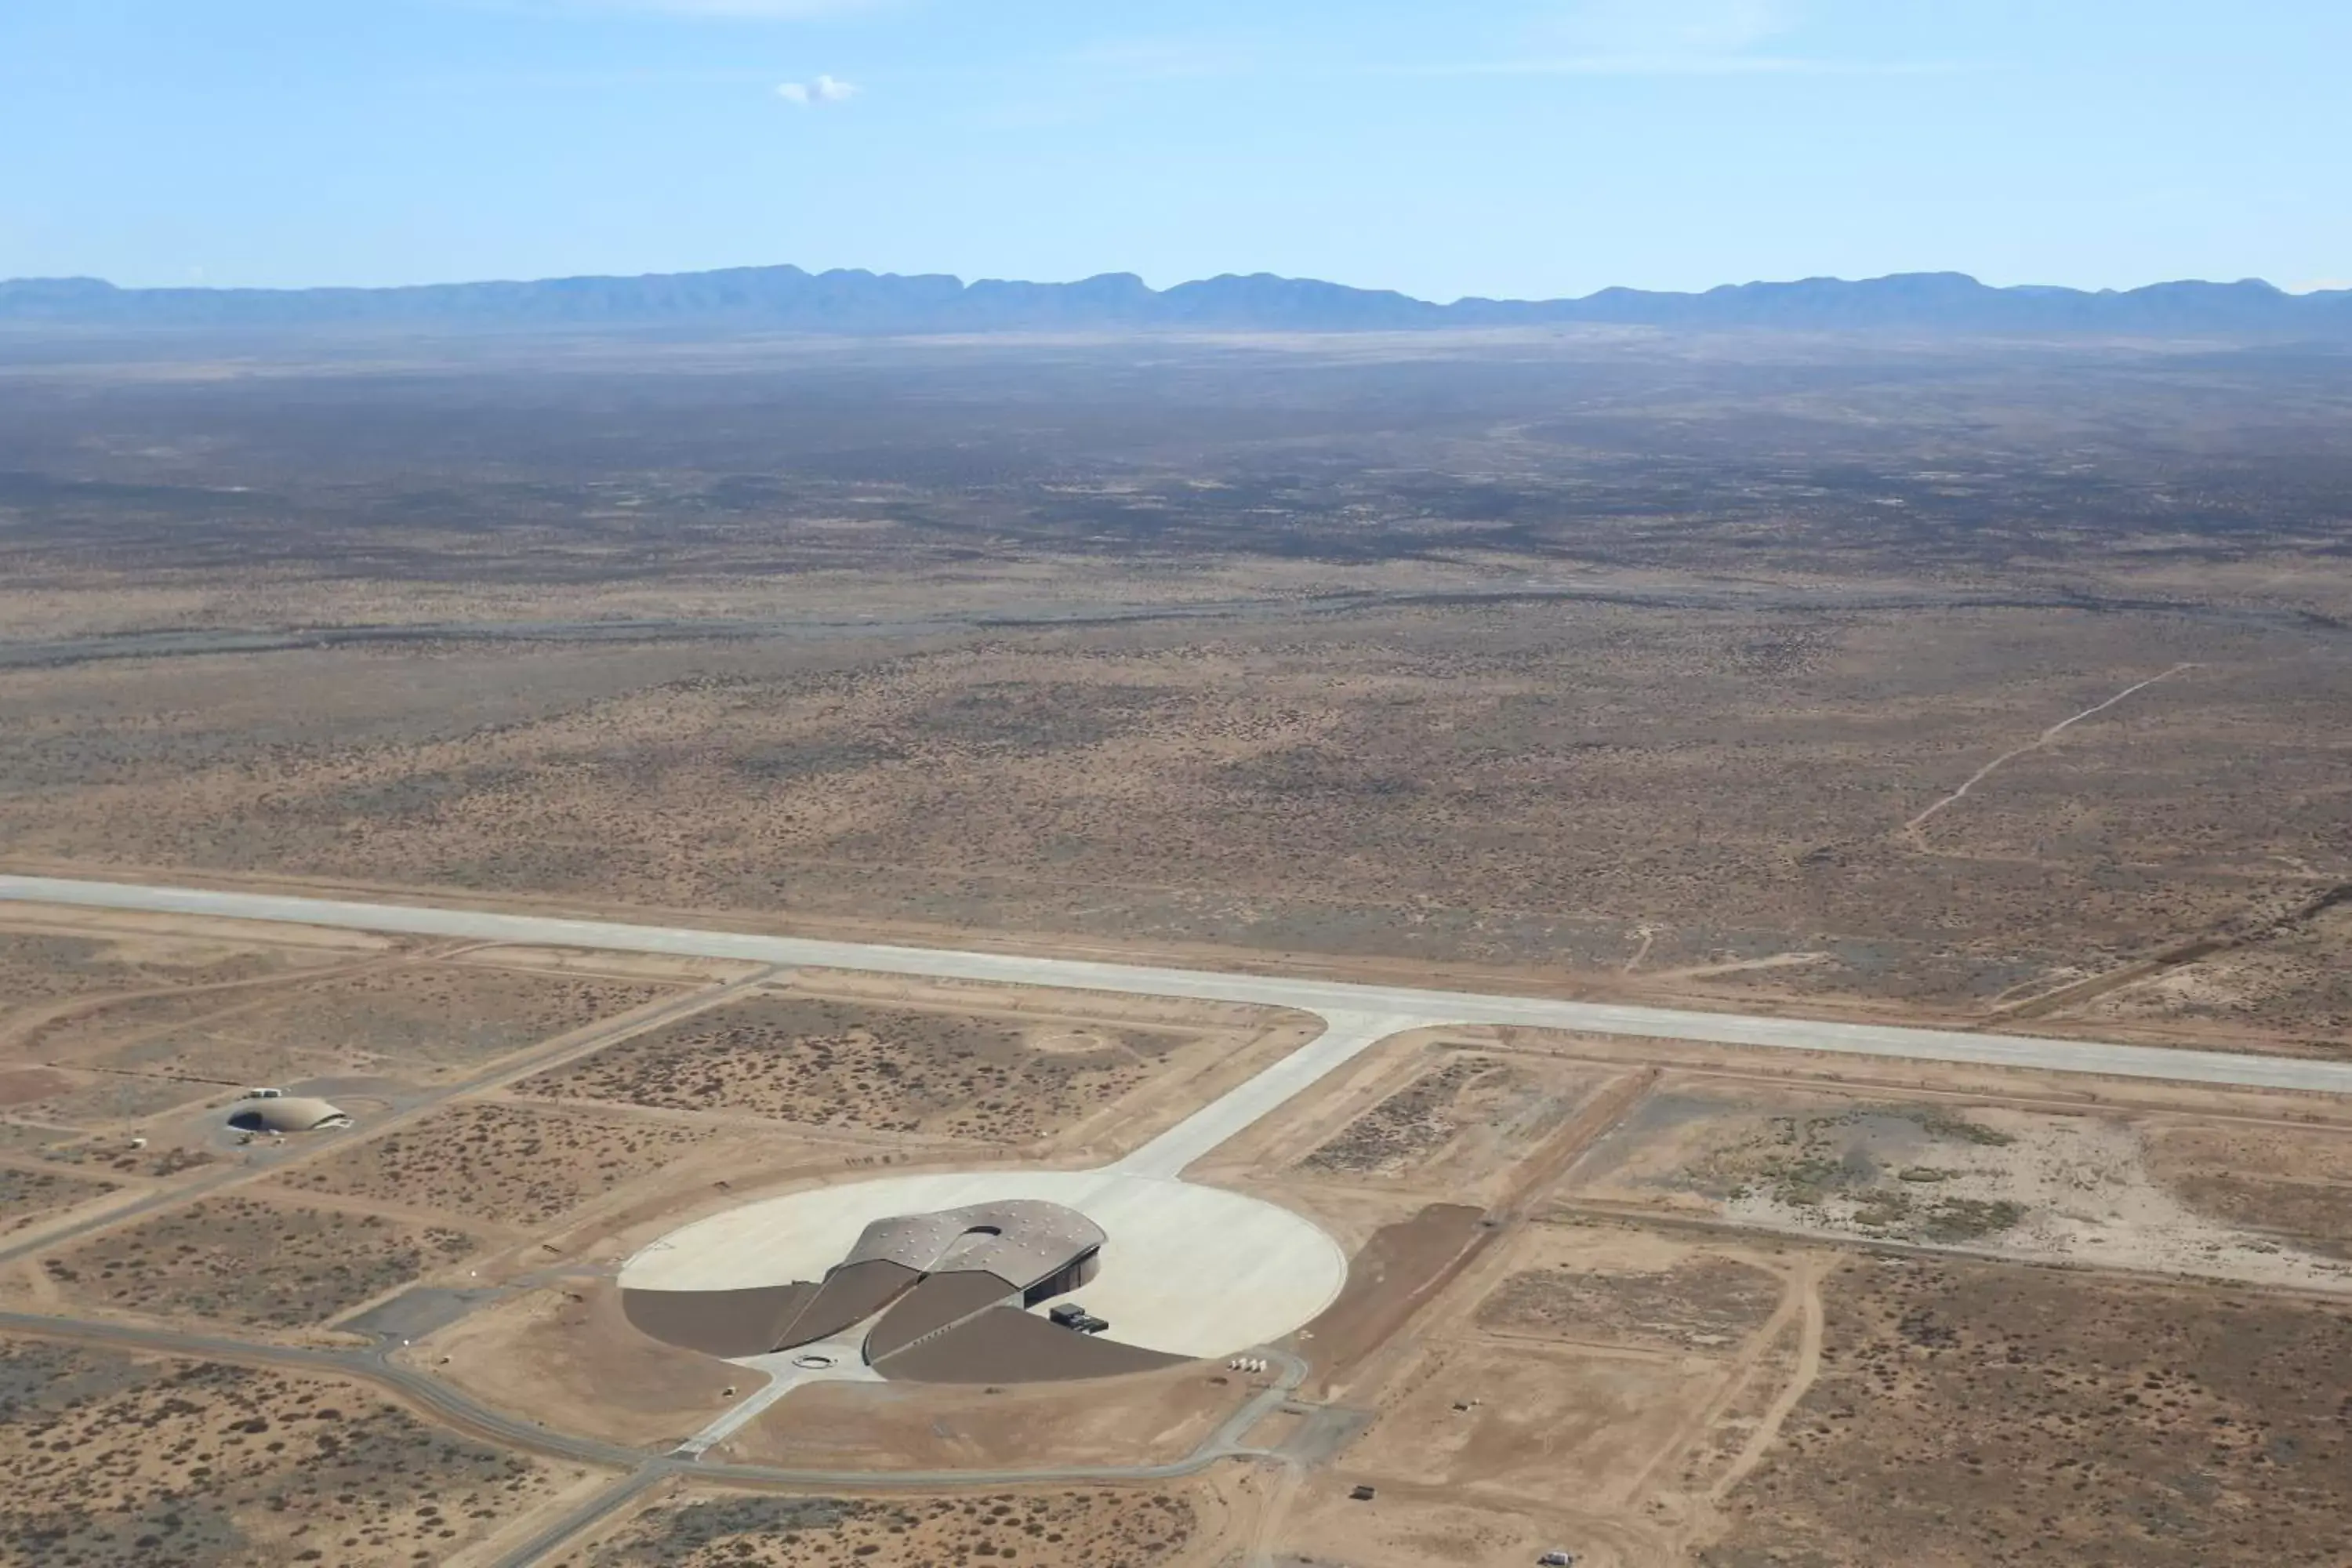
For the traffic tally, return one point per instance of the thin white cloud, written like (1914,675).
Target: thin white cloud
(825,89)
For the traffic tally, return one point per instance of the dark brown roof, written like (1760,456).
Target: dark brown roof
(939,1301)
(852,1293)
(717,1323)
(1005,1344)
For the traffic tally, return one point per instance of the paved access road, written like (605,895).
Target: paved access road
(1399,1007)
(466,1414)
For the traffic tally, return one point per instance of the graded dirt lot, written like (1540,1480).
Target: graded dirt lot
(1325,1527)
(1405,1128)
(504,1163)
(2054,1186)
(1973,1412)
(1393,1275)
(1692,1302)
(1092,1527)
(108,1462)
(240,1260)
(826,1063)
(566,1353)
(1574,1366)
(1445,1120)
(1146,1418)
(1564,1427)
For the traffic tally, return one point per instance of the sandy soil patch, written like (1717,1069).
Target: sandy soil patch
(1149,1418)
(1551,1425)
(70,1099)
(505,1164)
(238,1260)
(426,1021)
(826,1063)
(42,967)
(1421,1114)
(112,1462)
(2073,1190)
(2291,1185)
(1633,1290)
(1326,1528)
(29,1086)
(2012,1182)
(1461,1120)
(1980,1412)
(27,1196)
(564,1354)
(1095,1528)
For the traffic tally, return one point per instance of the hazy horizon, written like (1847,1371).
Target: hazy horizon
(1539,149)
(2325,286)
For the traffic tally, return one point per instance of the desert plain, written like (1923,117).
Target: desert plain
(1998,688)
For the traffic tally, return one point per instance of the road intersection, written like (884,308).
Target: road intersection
(1400,1007)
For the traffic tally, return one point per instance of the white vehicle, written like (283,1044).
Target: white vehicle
(265,1094)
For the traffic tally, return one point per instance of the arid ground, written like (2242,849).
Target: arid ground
(1993,686)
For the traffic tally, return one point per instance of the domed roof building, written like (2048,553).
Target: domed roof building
(286,1113)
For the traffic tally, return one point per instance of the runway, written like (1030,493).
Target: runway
(1395,1007)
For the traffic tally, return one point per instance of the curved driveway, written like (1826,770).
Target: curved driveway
(1356,1017)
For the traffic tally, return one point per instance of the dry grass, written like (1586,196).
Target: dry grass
(1098,1528)
(1699,1303)
(497,1163)
(108,1462)
(42,967)
(417,1022)
(27,1196)
(1987,1413)
(846,1064)
(1502,784)
(237,1260)
(1408,1125)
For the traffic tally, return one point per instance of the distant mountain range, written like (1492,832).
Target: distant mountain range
(855,303)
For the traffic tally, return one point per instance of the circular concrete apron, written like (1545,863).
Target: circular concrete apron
(1187,1270)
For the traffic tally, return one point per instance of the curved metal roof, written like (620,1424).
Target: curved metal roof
(293,1113)
(1019,1240)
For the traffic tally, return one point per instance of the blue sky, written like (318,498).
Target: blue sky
(1514,147)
